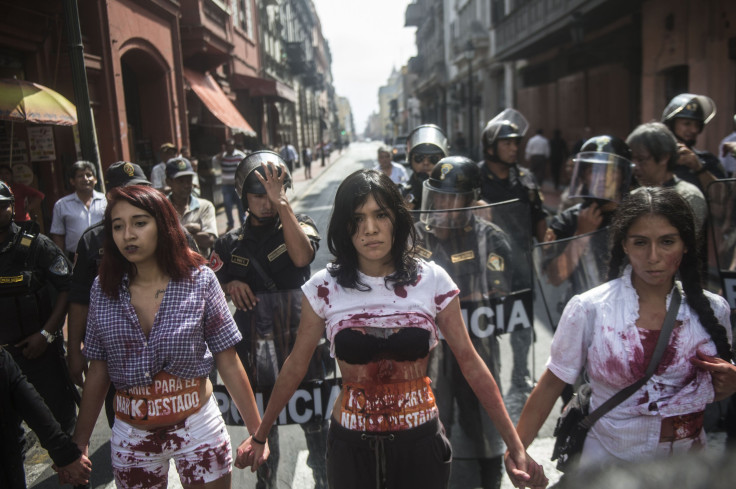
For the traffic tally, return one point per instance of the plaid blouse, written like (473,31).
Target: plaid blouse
(192,323)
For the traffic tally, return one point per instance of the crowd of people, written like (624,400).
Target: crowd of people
(143,279)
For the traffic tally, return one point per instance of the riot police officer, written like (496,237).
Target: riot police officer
(31,265)
(502,179)
(601,178)
(426,145)
(271,252)
(686,115)
(477,255)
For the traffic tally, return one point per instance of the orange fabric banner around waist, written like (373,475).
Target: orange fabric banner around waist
(387,407)
(167,400)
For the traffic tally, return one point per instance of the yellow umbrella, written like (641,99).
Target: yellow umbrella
(24,101)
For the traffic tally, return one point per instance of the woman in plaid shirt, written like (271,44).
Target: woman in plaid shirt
(158,321)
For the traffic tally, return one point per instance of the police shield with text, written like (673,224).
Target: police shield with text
(31,265)
(425,146)
(261,267)
(478,256)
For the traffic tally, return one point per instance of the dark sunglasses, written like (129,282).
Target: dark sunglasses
(432,158)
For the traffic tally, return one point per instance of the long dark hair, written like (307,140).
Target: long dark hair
(672,206)
(172,251)
(352,193)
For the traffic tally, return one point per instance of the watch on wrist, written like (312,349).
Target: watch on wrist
(49,337)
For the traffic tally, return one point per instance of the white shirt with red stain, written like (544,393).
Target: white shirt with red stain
(598,332)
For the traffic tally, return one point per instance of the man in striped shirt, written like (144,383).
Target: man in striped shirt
(229,160)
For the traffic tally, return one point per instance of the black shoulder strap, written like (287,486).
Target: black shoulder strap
(270,285)
(626,392)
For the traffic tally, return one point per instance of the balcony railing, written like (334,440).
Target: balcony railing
(532,20)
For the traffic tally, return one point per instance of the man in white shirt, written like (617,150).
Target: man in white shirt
(396,172)
(289,155)
(77,211)
(537,154)
(158,173)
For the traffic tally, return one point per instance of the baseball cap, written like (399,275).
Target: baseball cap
(124,173)
(179,167)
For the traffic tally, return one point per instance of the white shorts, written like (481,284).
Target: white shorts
(199,445)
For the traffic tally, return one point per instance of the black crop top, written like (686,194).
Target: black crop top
(358,348)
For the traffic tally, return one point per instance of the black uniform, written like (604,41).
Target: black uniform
(233,259)
(478,259)
(30,265)
(414,188)
(19,401)
(519,185)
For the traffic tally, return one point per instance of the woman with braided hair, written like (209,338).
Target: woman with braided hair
(611,332)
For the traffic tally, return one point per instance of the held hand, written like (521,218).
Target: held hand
(687,158)
(77,366)
(589,219)
(722,373)
(273,182)
(33,346)
(241,295)
(524,471)
(251,454)
(76,473)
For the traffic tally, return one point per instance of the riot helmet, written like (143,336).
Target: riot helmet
(450,191)
(602,170)
(425,146)
(509,124)
(6,195)
(246,182)
(689,106)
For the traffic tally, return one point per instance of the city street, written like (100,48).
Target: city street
(314,197)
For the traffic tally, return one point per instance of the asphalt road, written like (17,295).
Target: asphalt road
(315,197)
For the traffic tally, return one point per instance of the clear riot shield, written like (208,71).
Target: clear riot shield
(269,332)
(486,252)
(570,266)
(721,235)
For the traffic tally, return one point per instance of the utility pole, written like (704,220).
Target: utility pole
(87,134)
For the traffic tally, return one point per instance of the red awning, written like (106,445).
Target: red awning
(263,87)
(212,96)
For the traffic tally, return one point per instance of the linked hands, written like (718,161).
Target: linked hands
(524,471)
(76,473)
(251,454)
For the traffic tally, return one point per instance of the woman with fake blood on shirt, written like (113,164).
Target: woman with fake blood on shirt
(383,310)
(611,332)
(158,321)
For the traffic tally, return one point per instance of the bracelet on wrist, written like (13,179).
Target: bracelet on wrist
(256,440)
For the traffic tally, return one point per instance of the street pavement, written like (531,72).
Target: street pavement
(314,197)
